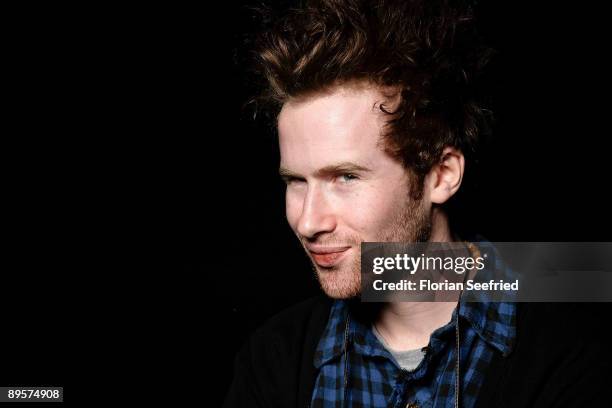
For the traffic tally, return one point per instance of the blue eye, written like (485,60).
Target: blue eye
(348,177)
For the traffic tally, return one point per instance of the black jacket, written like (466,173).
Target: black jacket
(558,360)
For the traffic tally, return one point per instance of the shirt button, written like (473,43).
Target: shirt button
(412,405)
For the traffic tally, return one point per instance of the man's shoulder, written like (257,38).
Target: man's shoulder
(285,344)
(555,334)
(560,352)
(549,317)
(276,361)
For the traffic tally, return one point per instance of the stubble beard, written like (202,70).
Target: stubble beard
(411,224)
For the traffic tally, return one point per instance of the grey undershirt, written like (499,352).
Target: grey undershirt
(408,359)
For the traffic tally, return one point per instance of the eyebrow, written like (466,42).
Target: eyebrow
(345,167)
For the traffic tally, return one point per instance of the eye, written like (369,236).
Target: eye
(347,177)
(292,180)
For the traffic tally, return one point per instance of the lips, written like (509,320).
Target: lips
(328,257)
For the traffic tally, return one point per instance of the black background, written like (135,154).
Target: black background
(146,231)
(542,175)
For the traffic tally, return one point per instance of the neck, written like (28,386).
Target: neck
(408,325)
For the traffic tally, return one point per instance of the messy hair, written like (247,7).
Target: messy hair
(428,51)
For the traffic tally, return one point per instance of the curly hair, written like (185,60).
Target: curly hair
(427,51)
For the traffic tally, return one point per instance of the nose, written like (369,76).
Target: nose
(317,215)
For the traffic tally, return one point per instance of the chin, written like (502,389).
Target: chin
(338,285)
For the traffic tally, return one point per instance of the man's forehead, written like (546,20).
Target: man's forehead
(343,126)
(338,118)
(320,158)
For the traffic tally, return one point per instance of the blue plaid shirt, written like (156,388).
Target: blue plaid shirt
(372,378)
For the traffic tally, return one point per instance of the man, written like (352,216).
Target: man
(376,113)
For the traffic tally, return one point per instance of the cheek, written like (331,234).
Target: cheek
(374,211)
(369,216)
(293,209)
(355,210)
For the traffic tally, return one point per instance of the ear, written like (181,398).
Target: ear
(444,178)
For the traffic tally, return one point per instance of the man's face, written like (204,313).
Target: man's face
(342,188)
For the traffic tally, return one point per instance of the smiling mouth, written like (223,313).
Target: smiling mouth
(329,257)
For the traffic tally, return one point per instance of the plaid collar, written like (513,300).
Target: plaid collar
(494,322)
